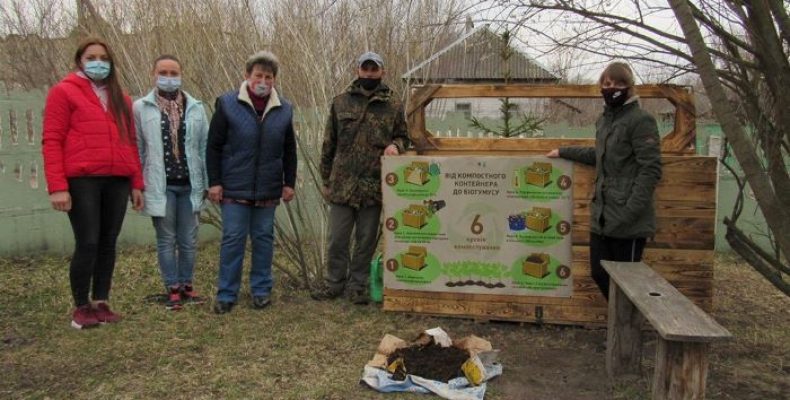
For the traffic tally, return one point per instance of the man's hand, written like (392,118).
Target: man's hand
(391,150)
(61,201)
(137,199)
(288,193)
(553,154)
(215,194)
(326,192)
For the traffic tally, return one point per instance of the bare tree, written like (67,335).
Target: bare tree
(317,42)
(740,51)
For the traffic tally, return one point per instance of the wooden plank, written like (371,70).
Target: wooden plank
(664,208)
(671,233)
(673,315)
(420,97)
(623,335)
(525,312)
(681,370)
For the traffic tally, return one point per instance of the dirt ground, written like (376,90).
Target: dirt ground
(302,349)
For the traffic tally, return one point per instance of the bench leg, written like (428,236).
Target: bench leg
(681,370)
(623,335)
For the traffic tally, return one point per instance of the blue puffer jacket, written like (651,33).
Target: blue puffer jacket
(251,158)
(148,118)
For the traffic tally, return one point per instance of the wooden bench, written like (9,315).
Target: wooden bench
(636,293)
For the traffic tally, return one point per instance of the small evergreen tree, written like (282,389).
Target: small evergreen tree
(526,125)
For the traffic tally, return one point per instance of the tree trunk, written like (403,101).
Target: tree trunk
(745,152)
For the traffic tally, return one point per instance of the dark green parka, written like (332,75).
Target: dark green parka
(627,160)
(359,128)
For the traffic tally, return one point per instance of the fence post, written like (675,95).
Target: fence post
(29,120)
(12,127)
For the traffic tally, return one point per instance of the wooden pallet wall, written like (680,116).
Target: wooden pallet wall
(682,250)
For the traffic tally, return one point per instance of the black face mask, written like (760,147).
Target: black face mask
(614,97)
(369,83)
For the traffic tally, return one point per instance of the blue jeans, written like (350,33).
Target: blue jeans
(239,221)
(177,230)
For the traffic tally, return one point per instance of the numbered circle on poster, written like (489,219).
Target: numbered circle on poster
(563,228)
(564,182)
(391,179)
(391,224)
(392,265)
(563,272)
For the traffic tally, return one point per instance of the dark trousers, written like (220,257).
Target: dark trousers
(611,249)
(98,206)
(346,270)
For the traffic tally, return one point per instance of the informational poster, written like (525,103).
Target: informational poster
(485,225)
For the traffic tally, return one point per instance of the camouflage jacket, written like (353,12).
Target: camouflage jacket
(358,130)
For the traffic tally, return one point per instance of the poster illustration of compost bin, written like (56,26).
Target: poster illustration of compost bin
(485,225)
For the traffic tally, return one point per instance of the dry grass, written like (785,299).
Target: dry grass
(301,349)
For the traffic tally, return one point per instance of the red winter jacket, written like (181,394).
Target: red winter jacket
(81,139)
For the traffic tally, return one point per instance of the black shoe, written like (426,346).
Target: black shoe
(359,297)
(325,293)
(222,307)
(261,302)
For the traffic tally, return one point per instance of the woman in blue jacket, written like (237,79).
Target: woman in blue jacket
(251,162)
(172,129)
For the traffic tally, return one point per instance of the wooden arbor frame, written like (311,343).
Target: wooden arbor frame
(682,250)
(679,142)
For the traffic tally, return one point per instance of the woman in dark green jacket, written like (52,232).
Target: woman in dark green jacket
(627,160)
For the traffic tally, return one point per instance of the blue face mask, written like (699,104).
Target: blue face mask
(97,70)
(168,84)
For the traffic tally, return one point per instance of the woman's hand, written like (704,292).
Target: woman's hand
(61,201)
(288,193)
(215,194)
(553,154)
(137,200)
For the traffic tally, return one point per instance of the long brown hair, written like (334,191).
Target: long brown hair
(116,101)
(619,72)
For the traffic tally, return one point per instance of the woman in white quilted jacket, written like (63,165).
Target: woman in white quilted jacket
(172,129)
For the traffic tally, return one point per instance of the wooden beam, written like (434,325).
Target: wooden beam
(546,91)
(680,141)
(623,335)
(420,97)
(681,370)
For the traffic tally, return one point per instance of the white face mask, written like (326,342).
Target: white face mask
(261,89)
(168,84)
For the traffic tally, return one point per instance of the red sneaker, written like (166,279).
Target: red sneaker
(173,302)
(104,314)
(189,295)
(84,317)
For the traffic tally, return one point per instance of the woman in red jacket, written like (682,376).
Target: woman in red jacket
(92,167)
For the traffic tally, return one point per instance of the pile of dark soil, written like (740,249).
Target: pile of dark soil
(431,361)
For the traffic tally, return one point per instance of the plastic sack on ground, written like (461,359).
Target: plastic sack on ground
(378,378)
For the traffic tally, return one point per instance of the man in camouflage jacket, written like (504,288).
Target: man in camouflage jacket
(365,122)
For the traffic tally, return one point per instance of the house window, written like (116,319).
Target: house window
(465,108)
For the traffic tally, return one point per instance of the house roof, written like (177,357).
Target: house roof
(476,56)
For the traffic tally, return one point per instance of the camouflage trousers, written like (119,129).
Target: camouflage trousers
(351,269)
